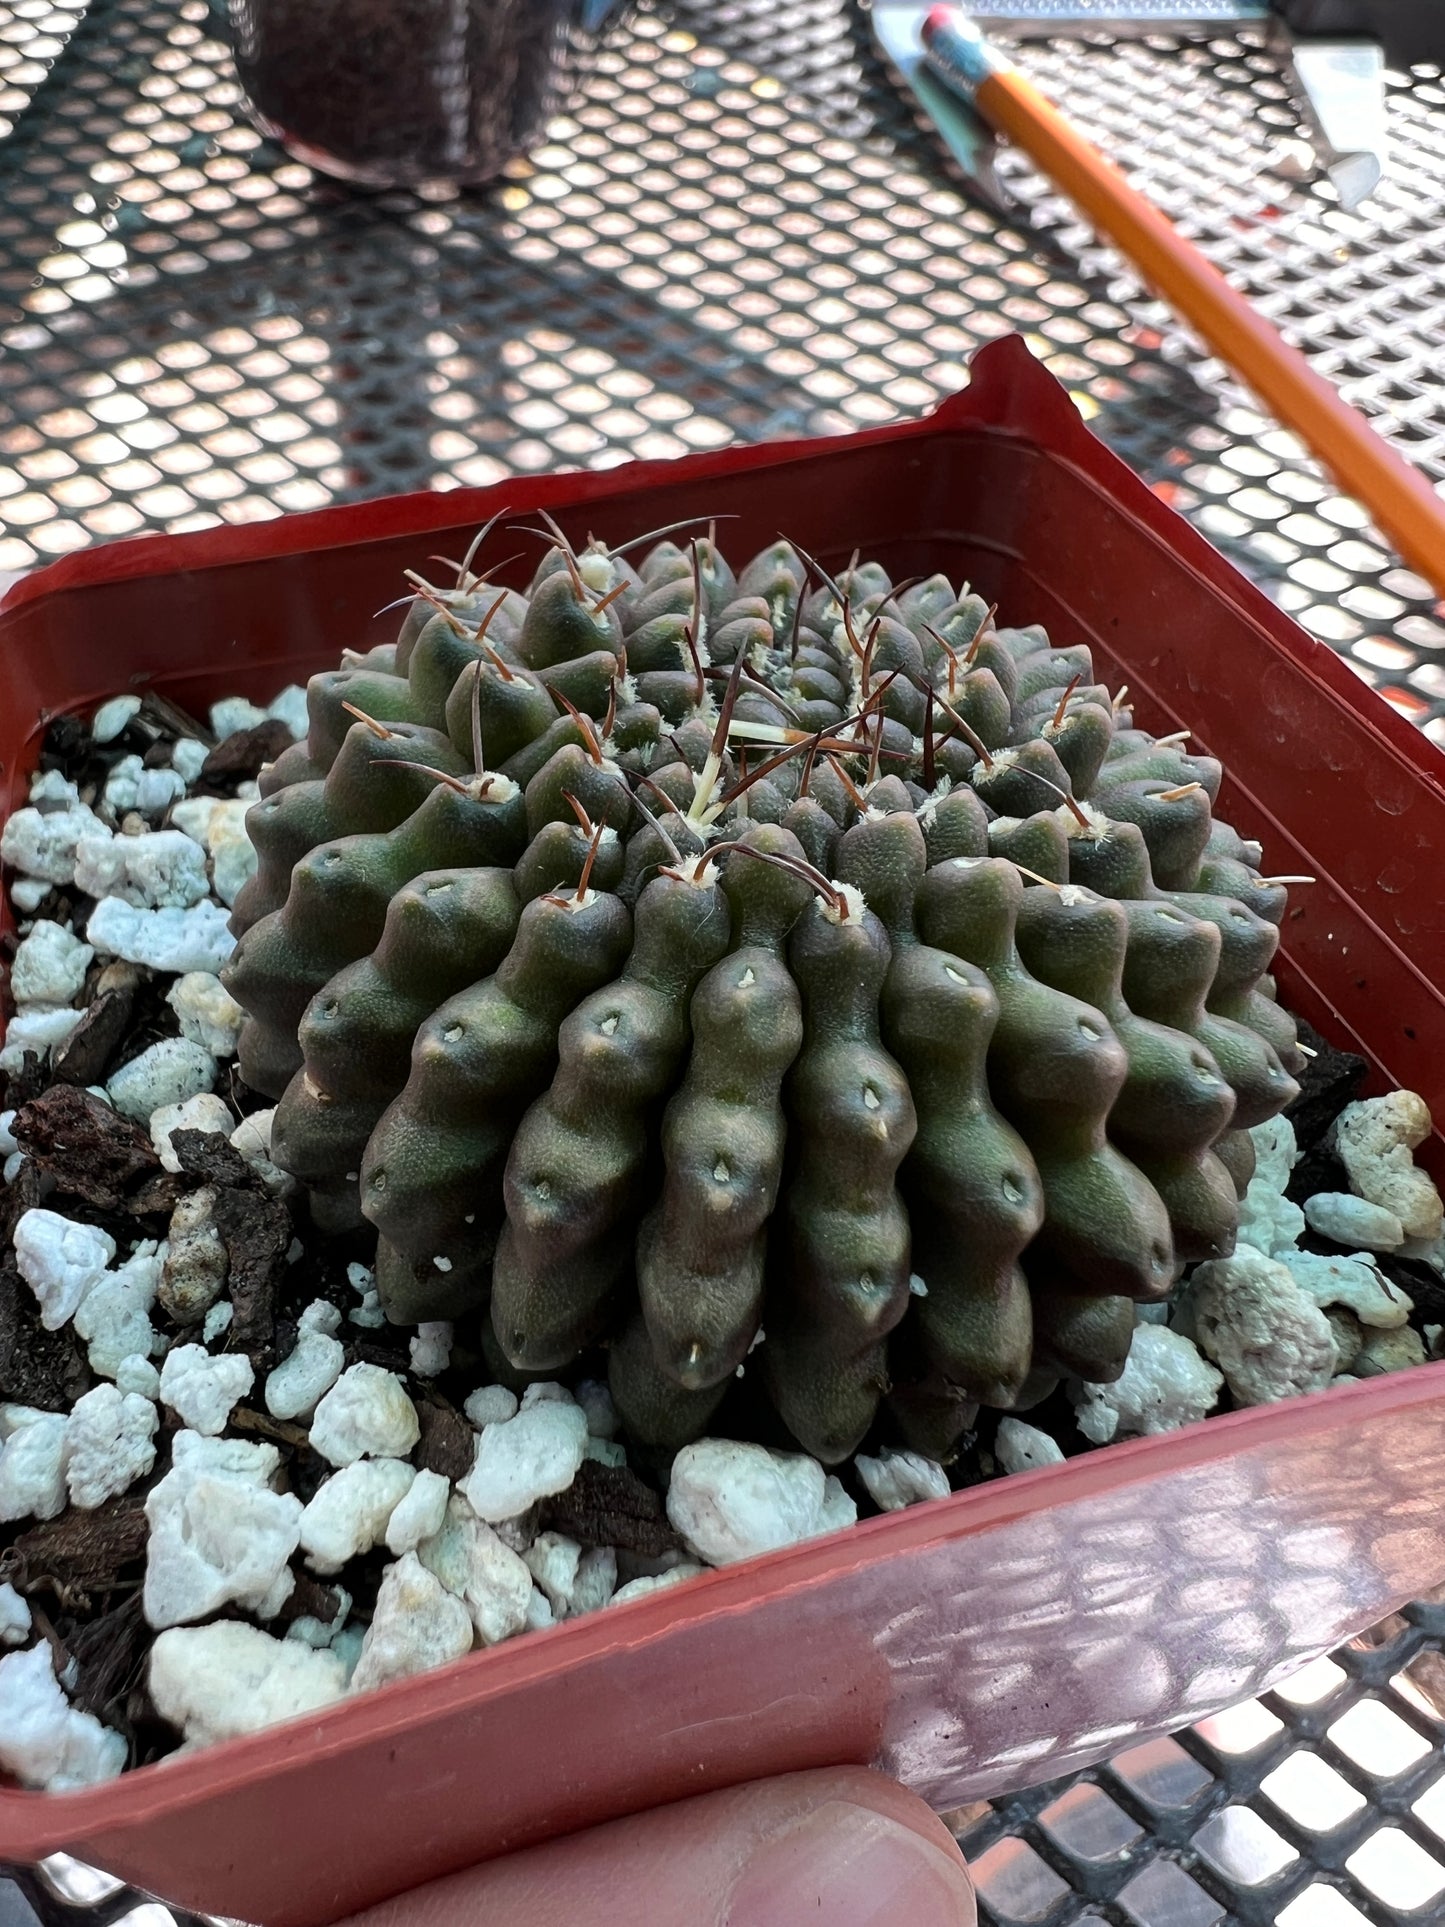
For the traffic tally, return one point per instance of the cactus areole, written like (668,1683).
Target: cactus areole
(693,964)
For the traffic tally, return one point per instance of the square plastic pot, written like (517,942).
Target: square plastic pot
(1011,1632)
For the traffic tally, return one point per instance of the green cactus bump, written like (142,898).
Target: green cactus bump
(764,972)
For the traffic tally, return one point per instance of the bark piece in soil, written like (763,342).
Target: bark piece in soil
(110,1652)
(67,746)
(80,1553)
(1419,1281)
(609,1505)
(1328,1082)
(47,1370)
(18,1088)
(89,1150)
(448,1444)
(256,1232)
(22,1194)
(239,757)
(85,1056)
(1318,1170)
(311,1598)
(171,720)
(214,1160)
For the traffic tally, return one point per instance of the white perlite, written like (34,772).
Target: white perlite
(188,758)
(1347,1220)
(313,1366)
(49,787)
(60,1261)
(369,1312)
(14,1617)
(42,843)
(525,1458)
(252,1139)
(420,1514)
(596,1581)
(138,1375)
(232,714)
(28,893)
(1268,1220)
(656,1582)
(472,1563)
(111,718)
(215,1683)
(32,1464)
(553,1559)
(45,1741)
(539,1613)
(218,1532)
(203,1389)
(37,1029)
(430,1351)
(417,1625)
(233,855)
(730,1500)
(349,1513)
(1165,1384)
(291,708)
(1024,1448)
(131,786)
(217,1320)
(1269,1339)
(164,1073)
(222,829)
(207,1012)
(114,1316)
(173,941)
(204,1112)
(49,966)
(1389,1351)
(1376,1140)
(1354,1282)
(158,870)
(546,1391)
(322,1632)
(365,1414)
(490,1404)
(109,1444)
(897,1479)
(195,1268)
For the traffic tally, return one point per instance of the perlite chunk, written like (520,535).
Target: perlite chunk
(45,1741)
(1376,1140)
(1165,1384)
(1267,1336)
(217,1682)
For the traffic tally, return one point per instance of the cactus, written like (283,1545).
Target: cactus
(769,972)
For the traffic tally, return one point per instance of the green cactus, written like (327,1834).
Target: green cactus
(780,973)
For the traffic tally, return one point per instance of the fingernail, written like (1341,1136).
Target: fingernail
(851,1867)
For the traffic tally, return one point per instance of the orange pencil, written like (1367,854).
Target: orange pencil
(1401,499)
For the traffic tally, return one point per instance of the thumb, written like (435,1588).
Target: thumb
(843,1846)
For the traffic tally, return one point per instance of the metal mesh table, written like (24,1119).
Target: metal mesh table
(741,231)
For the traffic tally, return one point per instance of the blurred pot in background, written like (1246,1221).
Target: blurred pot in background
(393,93)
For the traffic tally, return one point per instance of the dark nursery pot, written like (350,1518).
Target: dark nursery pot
(1016,1630)
(395,93)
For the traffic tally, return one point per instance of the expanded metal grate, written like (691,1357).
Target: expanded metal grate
(1320,1805)
(742,231)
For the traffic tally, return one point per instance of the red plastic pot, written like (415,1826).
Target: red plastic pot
(997,1637)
